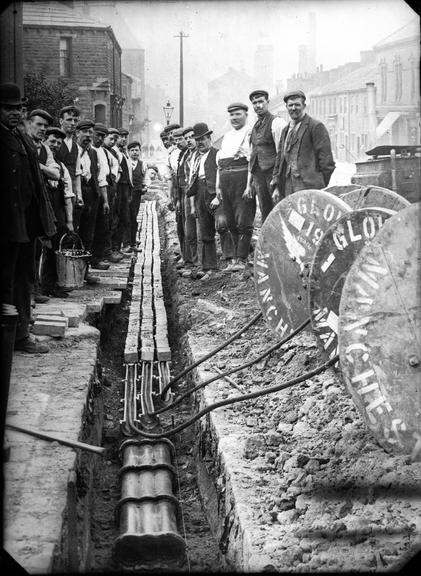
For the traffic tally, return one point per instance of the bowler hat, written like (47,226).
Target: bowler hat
(56,131)
(187,130)
(86,123)
(133,144)
(201,129)
(113,131)
(123,132)
(237,106)
(42,114)
(10,94)
(257,93)
(294,94)
(171,127)
(70,109)
(100,128)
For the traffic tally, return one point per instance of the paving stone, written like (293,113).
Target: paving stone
(112,298)
(46,328)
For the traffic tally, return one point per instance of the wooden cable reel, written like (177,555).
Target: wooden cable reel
(379,333)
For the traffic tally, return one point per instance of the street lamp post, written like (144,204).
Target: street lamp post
(168,110)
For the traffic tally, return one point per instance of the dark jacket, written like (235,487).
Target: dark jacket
(26,210)
(69,159)
(263,149)
(210,175)
(308,161)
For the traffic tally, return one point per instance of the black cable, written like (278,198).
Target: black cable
(233,370)
(236,399)
(212,353)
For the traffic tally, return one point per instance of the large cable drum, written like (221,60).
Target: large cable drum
(363,197)
(379,333)
(284,251)
(340,245)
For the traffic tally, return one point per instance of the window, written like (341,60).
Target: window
(397,67)
(383,79)
(100,113)
(65,56)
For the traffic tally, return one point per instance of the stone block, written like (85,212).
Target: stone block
(45,328)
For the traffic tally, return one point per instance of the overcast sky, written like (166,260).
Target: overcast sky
(225,33)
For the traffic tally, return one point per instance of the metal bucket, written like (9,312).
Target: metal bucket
(71,264)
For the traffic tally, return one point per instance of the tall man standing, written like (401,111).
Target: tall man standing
(265,137)
(231,185)
(304,158)
(124,195)
(113,178)
(139,188)
(25,215)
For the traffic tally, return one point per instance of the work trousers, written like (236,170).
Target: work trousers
(101,233)
(181,214)
(192,232)
(111,193)
(239,212)
(121,216)
(88,216)
(261,180)
(48,274)
(134,209)
(211,221)
(17,272)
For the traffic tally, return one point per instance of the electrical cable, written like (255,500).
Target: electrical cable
(211,353)
(233,370)
(233,400)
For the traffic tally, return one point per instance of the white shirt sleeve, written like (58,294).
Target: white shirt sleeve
(68,188)
(78,170)
(278,125)
(103,168)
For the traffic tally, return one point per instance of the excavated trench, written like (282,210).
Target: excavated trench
(202,553)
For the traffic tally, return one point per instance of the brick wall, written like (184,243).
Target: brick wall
(95,58)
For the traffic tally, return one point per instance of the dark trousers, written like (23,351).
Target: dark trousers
(206,220)
(134,209)
(17,278)
(48,274)
(88,216)
(262,179)
(191,232)
(121,216)
(111,192)
(179,221)
(239,212)
(101,233)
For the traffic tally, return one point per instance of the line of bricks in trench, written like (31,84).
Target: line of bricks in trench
(147,330)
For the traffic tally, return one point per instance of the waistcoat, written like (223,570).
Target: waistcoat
(263,149)
(68,158)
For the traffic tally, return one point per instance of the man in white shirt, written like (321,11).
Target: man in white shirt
(110,140)
(265,137)
(231,185)
(121,235)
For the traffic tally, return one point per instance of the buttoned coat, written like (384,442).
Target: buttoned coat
(307,161)
(24,196)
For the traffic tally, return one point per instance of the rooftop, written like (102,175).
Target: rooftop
(409,31)
(56,14)
(355,80)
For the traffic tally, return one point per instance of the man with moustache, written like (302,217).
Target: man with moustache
(60,194)
(109,142)
(231,185)
(304,159)
(264,139)
(69,154)
(91,192)
(123,197)
(26,214)
(209,210)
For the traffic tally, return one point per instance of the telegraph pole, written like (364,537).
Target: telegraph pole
(181,35)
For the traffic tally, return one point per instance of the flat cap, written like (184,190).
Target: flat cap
(171,127)
(237,106)
(133,144)
(113,131)
(294,94)
(163,135)
(42,114)
(123,132)
(178,132)
(257,93)
(100,128)
(56,131)
(70,109)
(86,123)
(187,130)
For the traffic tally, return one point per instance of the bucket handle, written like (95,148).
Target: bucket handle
(71,234)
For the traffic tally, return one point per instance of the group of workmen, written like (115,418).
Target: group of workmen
(74,184)
(214,191)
